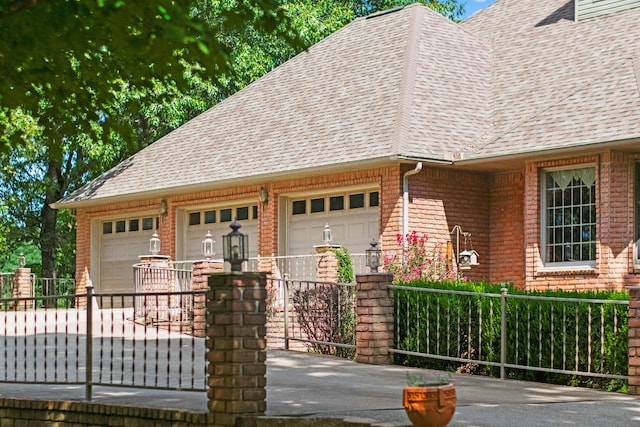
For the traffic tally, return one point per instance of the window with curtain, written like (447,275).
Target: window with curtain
(569,217)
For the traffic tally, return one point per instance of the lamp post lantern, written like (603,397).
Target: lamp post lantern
(208,246)
(235,247)
(154,243)
(373,256)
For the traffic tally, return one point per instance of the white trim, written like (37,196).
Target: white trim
(568,266)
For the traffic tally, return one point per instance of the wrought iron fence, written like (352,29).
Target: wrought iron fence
(299,267)
(107,347)
(161,277)
(321,315)
(571,336)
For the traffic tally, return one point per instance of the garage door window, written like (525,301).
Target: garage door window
(356,201)
(120,226)
(210,217)
(336,203)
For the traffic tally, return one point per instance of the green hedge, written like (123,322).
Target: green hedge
(540,333)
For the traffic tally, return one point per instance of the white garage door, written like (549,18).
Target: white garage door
(217,221)
(352,217)
(122,241)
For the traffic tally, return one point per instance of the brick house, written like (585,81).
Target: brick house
(521,125)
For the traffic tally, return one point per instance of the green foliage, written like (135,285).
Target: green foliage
(463,320)
(345,266)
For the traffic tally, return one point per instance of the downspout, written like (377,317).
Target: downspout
(405,201)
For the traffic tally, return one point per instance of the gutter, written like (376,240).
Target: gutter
(405,201)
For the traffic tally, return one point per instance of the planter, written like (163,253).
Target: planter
(430,405)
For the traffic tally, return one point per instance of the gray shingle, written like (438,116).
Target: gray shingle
(517,77)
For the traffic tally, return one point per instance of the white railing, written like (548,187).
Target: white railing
(298,267)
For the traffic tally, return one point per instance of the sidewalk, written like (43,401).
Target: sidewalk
(305,385)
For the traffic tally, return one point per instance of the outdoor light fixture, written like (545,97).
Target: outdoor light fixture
(235,246)
(327,235)
(22,261)
(154,244)
(163,208)
(373,256)
(208,246)
(263,196)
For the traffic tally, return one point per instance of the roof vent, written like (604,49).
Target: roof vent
(586,9)
(385,12)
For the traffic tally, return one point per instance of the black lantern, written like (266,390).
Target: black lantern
(235,247)
(208,246)
(154,244)
(373,256)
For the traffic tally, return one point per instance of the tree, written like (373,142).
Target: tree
(112,77)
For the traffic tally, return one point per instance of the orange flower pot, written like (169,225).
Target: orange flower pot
(430,406)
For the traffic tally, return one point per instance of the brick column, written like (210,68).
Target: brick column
(634,340)
(326,263)
(374,318)
(200,282)
(236,360)
(22,287)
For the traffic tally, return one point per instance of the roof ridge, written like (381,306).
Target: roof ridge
(620,64)
(408,79)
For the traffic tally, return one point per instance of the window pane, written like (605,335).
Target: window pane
(317,205)
(336,203)
(374,198)
(255,212)
(299,207)
(225,215)
(194,218)
(570,215)
(134,225)
(210,217)
(147,223)
(107,228)
(121,226)
(356,201)
(242,213)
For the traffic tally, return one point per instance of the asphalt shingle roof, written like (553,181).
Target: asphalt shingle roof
(519,76)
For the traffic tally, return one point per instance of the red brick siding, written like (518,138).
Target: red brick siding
(506,225)
(441,198)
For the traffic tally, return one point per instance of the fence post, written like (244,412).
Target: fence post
(503,332)
(374,318)
(89,344)
(285,306)
(634,340)
(236,339)
(22,287)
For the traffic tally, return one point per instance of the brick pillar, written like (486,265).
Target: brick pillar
(22,287)
(634,340)
(200,282)
(236,360)
(326,263)
(374,318)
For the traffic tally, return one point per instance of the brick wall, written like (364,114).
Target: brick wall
(506,224)
(634,340)
(442,198)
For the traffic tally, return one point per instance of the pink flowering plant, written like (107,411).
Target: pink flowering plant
(420,259)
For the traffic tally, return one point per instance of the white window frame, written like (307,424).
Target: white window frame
(562,265)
